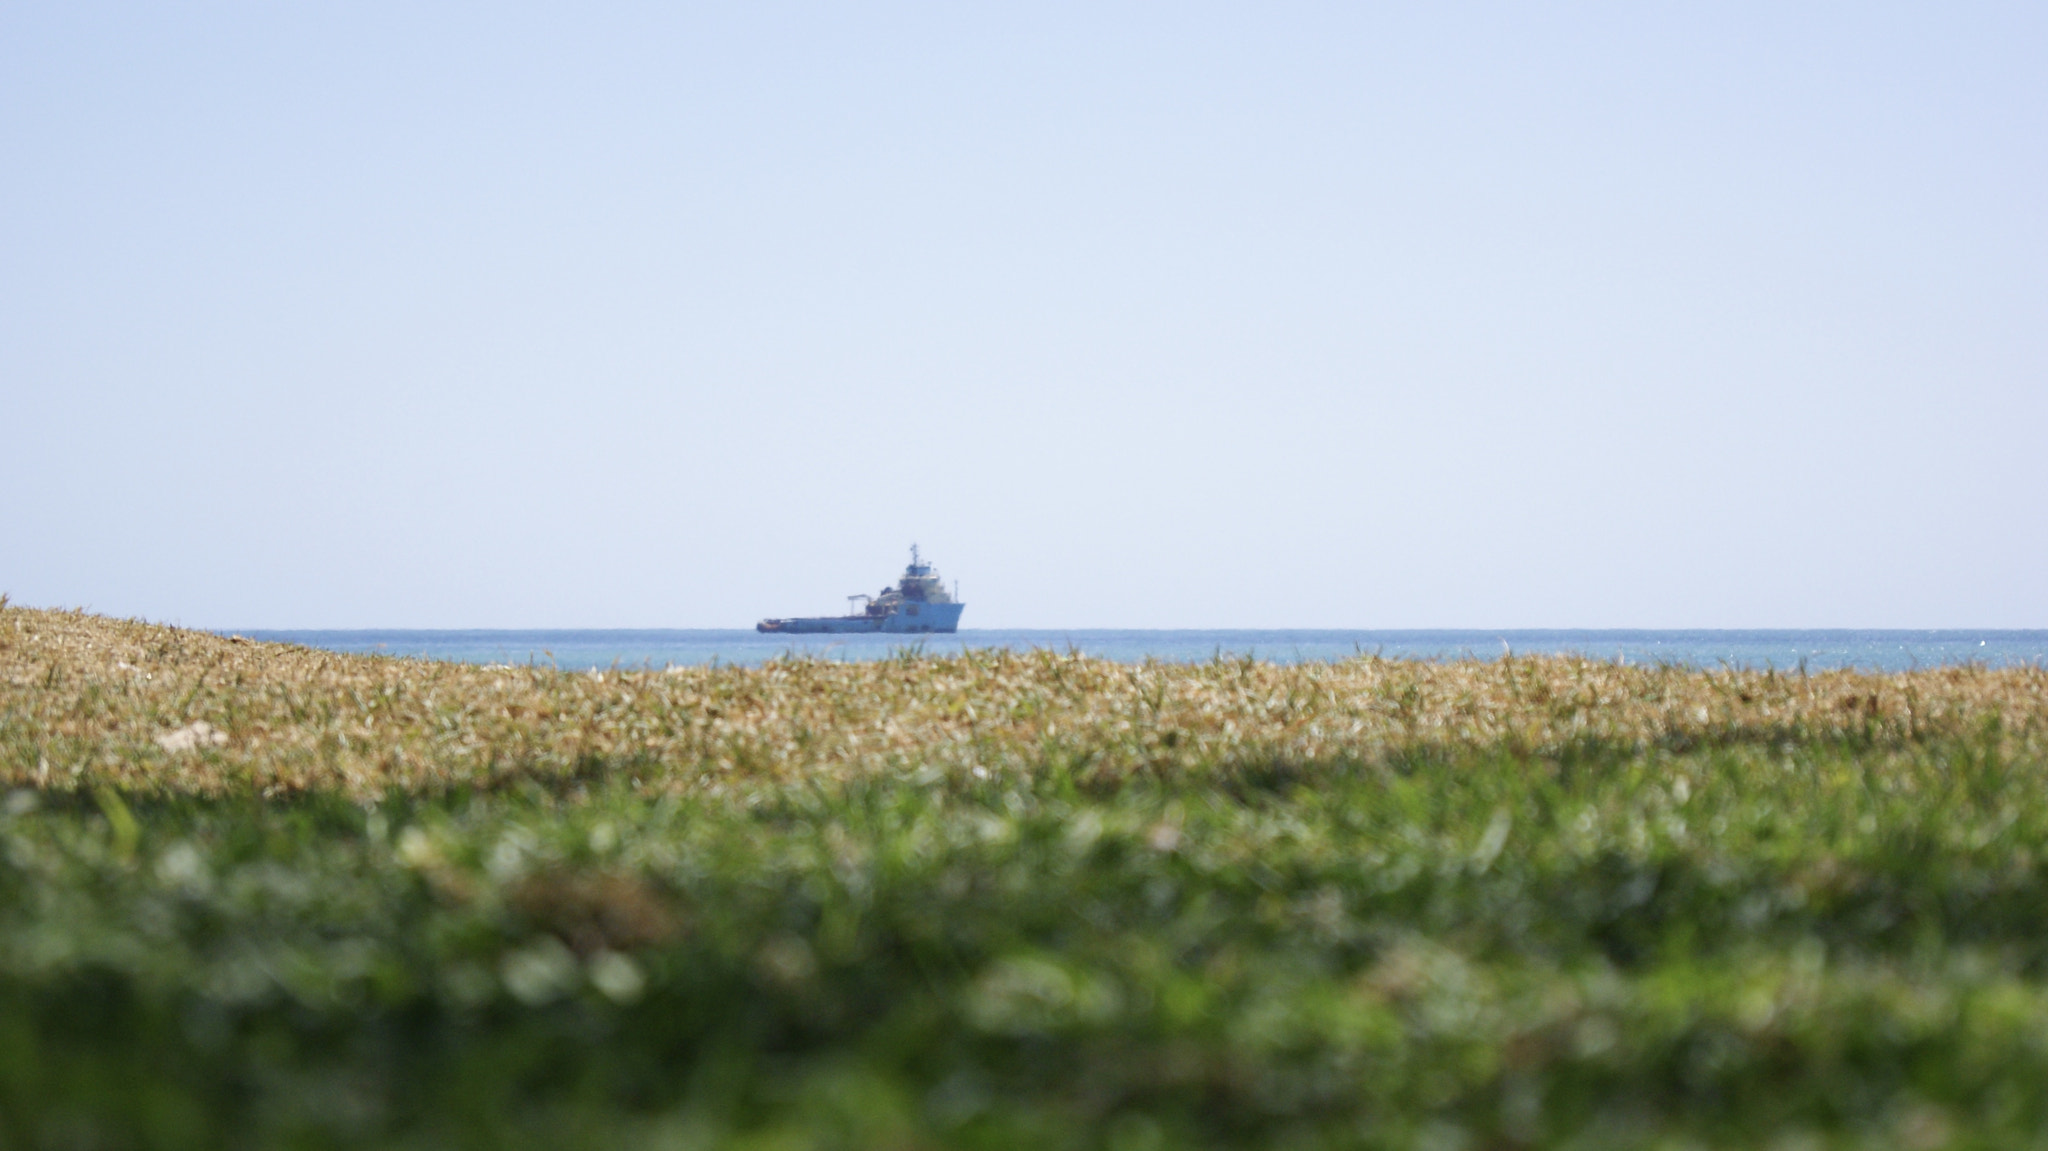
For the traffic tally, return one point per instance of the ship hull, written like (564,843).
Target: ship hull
(925,617)
(910,619)
(820,626)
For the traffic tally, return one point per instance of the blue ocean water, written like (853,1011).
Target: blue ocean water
(642,648)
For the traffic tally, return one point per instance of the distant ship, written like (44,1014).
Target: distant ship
(918,603)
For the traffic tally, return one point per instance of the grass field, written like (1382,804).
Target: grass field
(263,896)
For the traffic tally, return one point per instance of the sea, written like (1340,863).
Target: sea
(659,648)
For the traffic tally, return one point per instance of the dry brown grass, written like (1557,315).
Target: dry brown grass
(87,701)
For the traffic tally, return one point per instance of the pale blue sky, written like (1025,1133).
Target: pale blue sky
(1146,315)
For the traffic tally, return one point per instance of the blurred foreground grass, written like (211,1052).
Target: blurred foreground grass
(262,896)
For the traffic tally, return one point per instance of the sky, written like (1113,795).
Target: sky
(1137,315)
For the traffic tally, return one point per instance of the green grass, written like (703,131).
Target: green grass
(1722,947)
(1807,925)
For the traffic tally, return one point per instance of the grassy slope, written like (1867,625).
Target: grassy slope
(1011,901)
